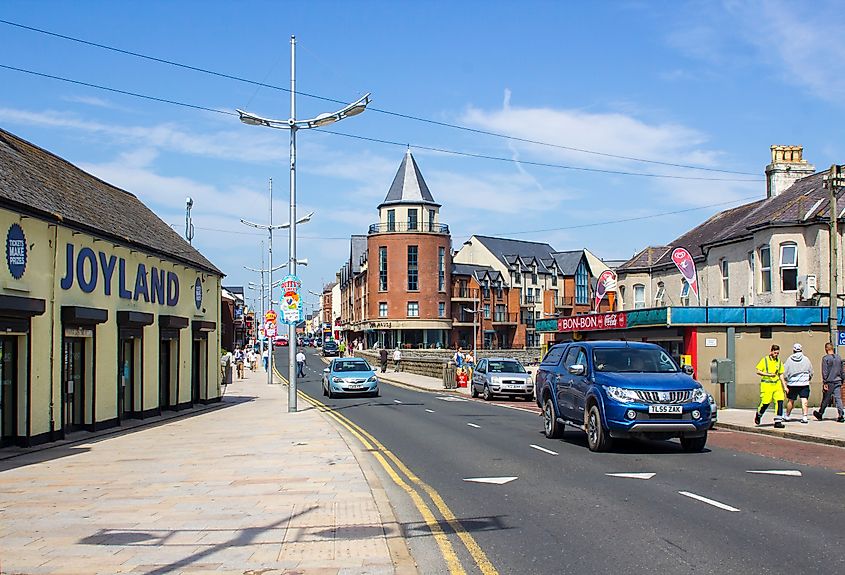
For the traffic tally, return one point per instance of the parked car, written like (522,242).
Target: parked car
(349,376)
(280,340)
(617,389)
(330,348)
(501,376)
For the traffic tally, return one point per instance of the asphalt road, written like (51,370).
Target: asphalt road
(564,514)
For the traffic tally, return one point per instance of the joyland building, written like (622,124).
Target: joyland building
(106,313)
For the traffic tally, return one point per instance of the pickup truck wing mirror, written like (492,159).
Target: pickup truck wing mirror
(688,369)
(577,369)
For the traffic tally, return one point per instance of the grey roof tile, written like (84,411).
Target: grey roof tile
(408,185)
(50,187)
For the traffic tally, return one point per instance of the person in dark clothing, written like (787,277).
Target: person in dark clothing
(831,383)
(382,355)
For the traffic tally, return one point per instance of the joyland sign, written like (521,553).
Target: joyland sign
(291,302)
(593,322)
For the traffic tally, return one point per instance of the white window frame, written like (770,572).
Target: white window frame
(382,307)
(788,265)
(660,295)
(765,271)
(724,274)
(639,296)
(413,306)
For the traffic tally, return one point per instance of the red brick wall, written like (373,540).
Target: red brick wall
(397,295)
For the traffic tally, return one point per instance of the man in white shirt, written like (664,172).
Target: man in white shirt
(300,364)
(397,359)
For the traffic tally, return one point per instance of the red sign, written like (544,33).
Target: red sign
(593,322)
(271,316)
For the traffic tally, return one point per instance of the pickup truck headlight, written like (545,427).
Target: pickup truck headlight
(698,395)
(621,394)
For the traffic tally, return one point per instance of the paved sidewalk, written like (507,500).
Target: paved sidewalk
(827,432)
(247,488)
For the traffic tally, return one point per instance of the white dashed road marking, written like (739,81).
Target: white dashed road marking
(708,501)
(474,425)
(543,449)
(450,398)
(396,401)
(632,475)
(493,480)
(430,410)
(789,472)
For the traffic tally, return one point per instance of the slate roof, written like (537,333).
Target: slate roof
(40,183)
(507,251)
(408,185)
(477,271)
(568,261)
(804,203)
(358,249)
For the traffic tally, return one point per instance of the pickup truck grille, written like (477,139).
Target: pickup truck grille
(664,396)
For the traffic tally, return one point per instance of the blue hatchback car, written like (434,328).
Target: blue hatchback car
(618,389)
(349,376)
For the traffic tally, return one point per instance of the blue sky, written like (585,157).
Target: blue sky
(710,84)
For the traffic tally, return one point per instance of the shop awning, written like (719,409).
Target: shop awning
(78,315)
(134,319)
(17,306)
(203,326)
(172,322)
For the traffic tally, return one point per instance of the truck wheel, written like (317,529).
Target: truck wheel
(487,394)
(551,427)
(694,444)
(473,392)
(597,437)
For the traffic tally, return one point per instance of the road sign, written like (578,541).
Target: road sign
(271,316)
(270,329)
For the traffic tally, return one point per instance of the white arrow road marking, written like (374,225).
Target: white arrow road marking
(430,410)
(493,480)
(450,398)
(543,449)
(396,401)
(474,425)
(632,475)
(789,472)
(708,501)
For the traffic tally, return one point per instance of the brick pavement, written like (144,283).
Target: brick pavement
(247,488)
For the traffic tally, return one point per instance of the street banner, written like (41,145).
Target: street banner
(683,260)
(292,311)
(606,283)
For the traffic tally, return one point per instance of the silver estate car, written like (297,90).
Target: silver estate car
(501,376)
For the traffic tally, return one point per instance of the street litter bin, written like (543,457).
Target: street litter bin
(227,374)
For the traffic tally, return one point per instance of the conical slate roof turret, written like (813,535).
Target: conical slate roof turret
(408,186)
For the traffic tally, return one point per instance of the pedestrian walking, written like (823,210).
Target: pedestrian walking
(469,362)
(831,383)
(265,358)
(341,349)
(772,388)
(239,362)
(397,359)
(300,364)
(797,371)
(382,355)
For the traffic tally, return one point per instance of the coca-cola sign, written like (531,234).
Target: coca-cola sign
(593,322)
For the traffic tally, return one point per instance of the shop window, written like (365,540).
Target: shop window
(765,269)
(789,267)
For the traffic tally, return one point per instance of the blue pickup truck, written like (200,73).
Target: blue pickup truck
(618,389)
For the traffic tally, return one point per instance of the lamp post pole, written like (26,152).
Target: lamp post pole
(293,125)
(834,179)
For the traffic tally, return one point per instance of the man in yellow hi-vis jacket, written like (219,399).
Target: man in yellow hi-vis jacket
(772,387)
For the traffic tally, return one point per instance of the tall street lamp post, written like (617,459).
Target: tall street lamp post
(474,313)
(833,180)
(294,125)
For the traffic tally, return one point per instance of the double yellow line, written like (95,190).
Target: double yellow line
(395,469)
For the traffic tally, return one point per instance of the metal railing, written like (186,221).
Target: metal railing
(506,317)
(464,293)
(419,227)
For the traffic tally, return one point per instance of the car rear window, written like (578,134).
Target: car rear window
(495,366)
(633,360)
